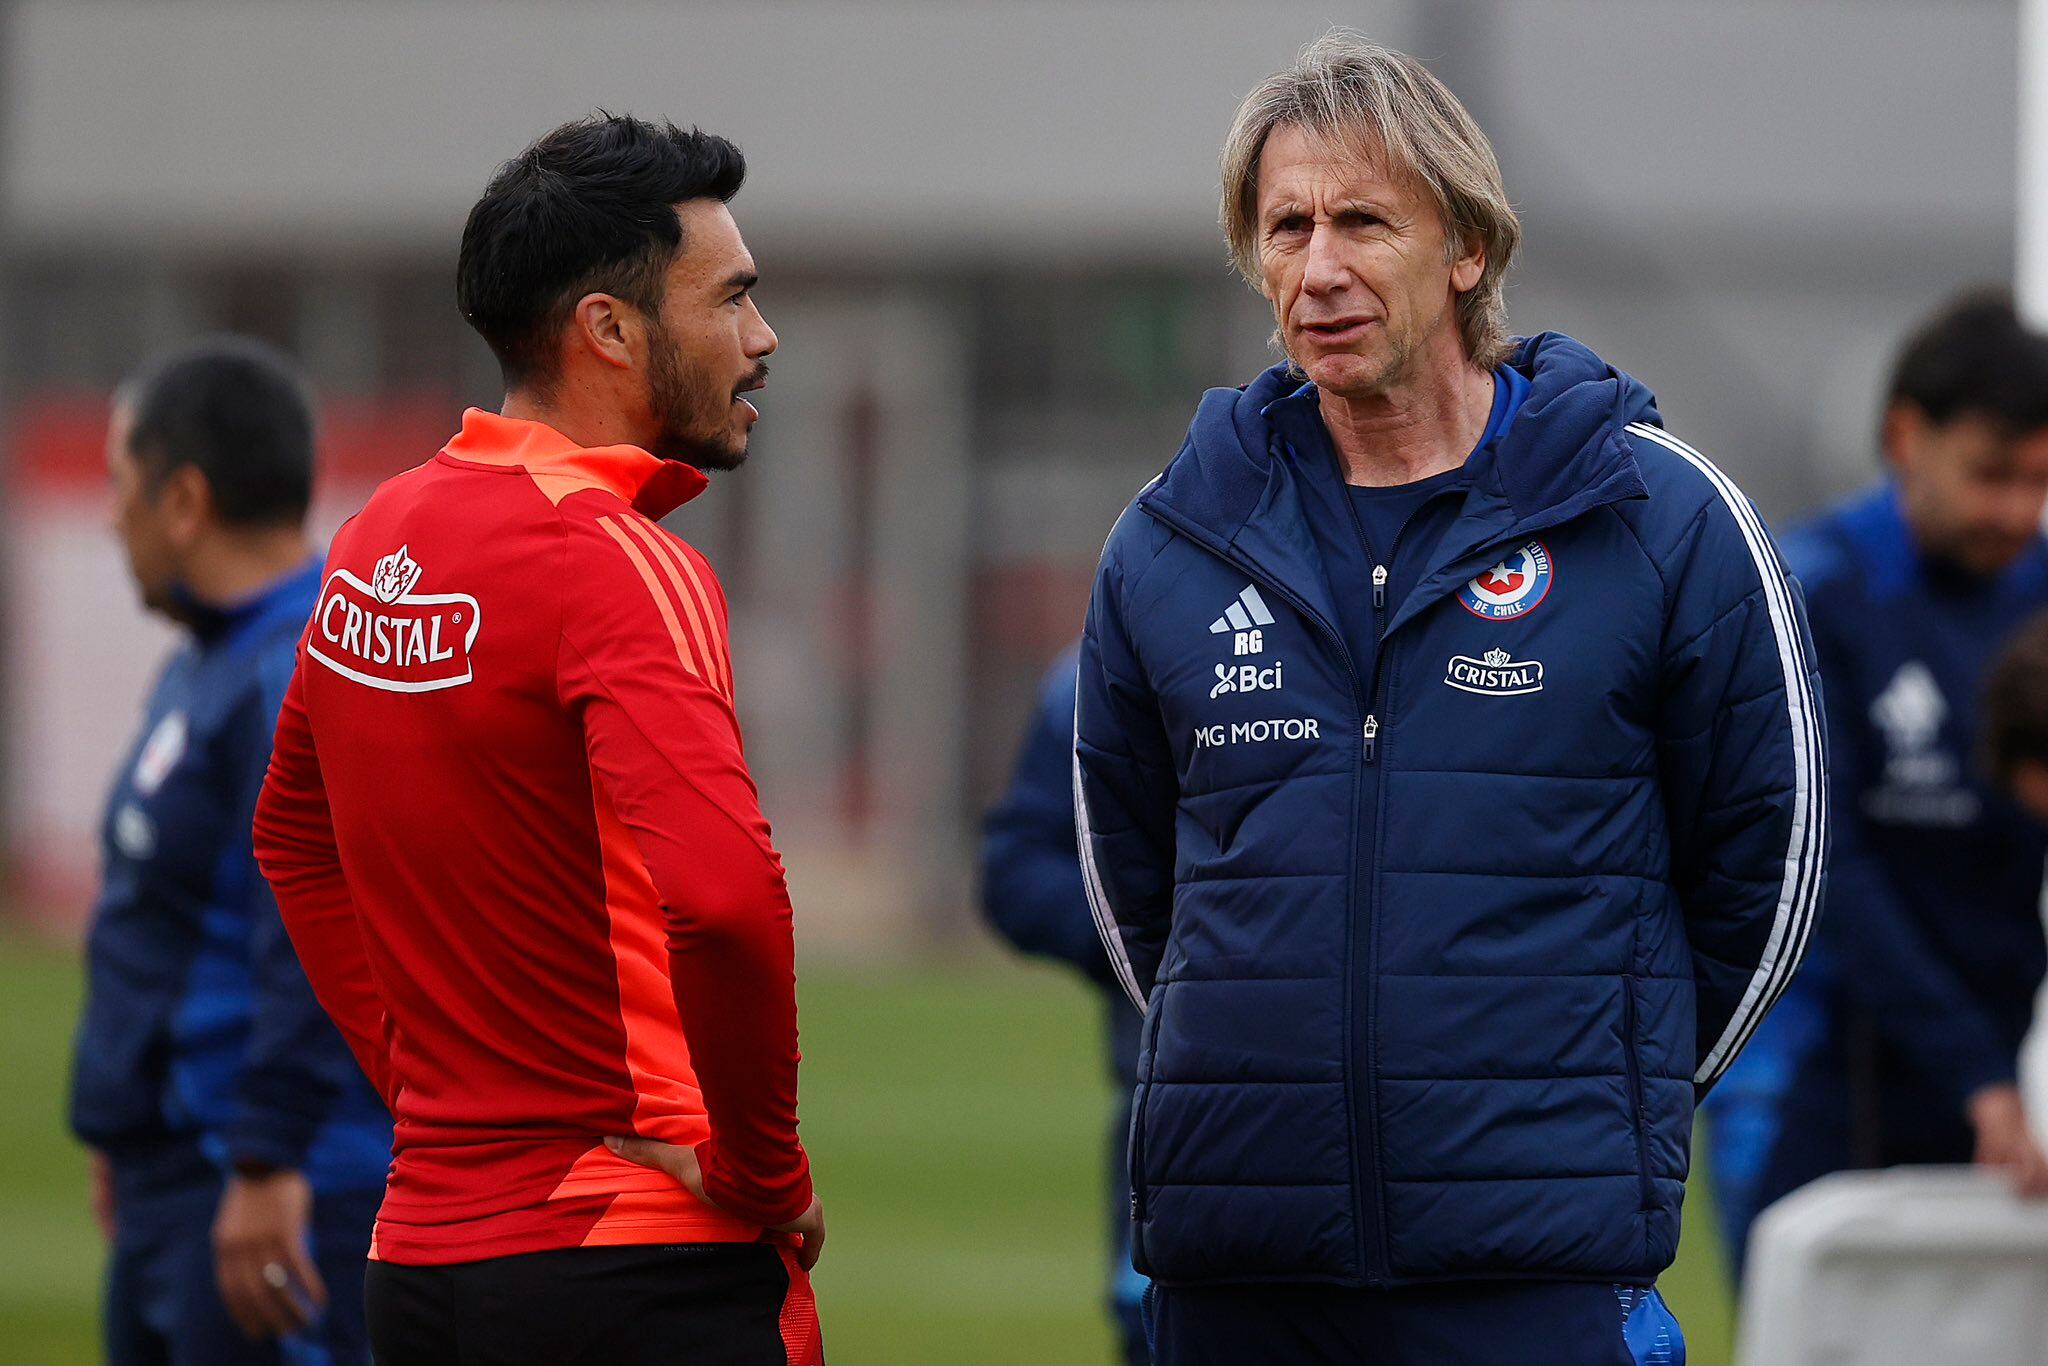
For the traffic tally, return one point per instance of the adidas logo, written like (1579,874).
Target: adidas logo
(1241,620)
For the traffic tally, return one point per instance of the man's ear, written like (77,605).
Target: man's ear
(1901,433)
(599,327)
(184,502)
(1468,266)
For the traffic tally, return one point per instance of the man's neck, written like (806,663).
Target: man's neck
(566,410)
(237,565)
(1422,427)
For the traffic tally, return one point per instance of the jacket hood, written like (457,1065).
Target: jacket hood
(1565,451)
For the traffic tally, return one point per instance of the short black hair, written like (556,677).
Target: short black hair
(588,208)
(1976,358)
(2014,723)
(239,411)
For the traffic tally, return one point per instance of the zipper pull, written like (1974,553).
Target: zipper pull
(1379,585)
(1372,733)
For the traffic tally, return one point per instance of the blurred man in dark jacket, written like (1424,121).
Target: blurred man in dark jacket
(238,1151)
(1900,1042)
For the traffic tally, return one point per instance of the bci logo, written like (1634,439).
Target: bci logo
(1246,678)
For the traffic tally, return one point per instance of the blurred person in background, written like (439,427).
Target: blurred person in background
(510,824)
(2014,743)
(238,1151)
(1031,892)
(1449,772)
(1900,1043)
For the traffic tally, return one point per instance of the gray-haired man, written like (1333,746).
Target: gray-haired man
(1449,775)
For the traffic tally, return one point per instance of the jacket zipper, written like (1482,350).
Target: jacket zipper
(1146,1037)
(1369,730)
(1376,703)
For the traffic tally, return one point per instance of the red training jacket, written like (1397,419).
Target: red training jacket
(513,837)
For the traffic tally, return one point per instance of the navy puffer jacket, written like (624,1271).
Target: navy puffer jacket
(1435,955)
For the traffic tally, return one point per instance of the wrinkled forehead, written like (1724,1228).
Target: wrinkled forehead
(1350,158)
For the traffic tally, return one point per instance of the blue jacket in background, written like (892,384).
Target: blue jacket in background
(1030,858)
(199,1026)
(1933,929)
(1436,949)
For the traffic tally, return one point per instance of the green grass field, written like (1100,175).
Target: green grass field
(955,1114)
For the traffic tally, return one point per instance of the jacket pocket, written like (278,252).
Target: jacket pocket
(1634,1068)
(1135,1150)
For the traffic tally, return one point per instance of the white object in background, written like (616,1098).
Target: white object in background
(1912,1266)
(2030,293)
(2030,236)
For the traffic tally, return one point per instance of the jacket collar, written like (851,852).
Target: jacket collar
(1234,485)
(653,486)
(290,594)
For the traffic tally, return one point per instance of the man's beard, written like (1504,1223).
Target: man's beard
(694,414)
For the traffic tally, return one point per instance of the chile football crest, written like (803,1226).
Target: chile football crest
(1514,586)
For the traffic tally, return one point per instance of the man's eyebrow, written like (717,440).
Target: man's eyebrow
(742,279)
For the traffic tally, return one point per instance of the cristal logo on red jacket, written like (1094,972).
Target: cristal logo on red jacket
(384,635)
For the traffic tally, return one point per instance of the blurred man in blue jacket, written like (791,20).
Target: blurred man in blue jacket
(1031,891)
(238,1152)
(1900,1042)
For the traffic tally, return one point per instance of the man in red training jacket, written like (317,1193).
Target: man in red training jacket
(510,826)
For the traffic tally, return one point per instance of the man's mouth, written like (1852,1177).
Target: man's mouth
(751,384)
(1337,330)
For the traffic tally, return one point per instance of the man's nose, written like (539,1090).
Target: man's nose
(761,339)
(1325,270)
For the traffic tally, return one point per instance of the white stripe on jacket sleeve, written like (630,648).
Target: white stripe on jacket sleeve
(1091,878)
(1799,892)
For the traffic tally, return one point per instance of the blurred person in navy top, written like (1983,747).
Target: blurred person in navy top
(1031,892)
(238,1151)
(1900,1042)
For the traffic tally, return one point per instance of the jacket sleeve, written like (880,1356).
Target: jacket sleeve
(643,663)
(295,847)
(1125,790)
(1744,769)
(1030,866)
(1886,965)
(297,1065)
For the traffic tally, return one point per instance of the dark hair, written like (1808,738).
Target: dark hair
(2015,718)
(1976,358)
(237,410)
(588,208)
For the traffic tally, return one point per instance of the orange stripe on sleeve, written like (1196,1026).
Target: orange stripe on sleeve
(668,613)
(701,633)
(724,660)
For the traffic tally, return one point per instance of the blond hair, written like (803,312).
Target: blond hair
(1352,92)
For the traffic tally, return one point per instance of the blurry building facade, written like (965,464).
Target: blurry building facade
(987,234)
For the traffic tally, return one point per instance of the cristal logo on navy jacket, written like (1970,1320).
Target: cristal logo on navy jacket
(383,635)
(1513,588)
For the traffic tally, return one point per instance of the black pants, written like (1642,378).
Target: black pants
(697,1304)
